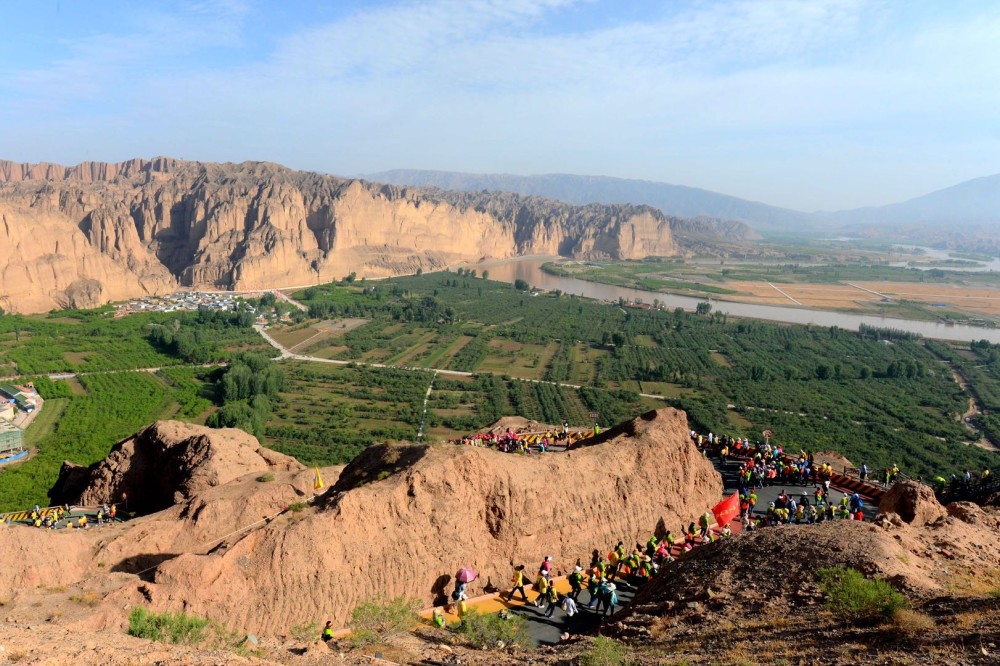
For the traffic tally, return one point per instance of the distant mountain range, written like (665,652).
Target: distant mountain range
(972,205)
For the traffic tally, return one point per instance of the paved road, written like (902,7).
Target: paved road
(768,494)
(546,630)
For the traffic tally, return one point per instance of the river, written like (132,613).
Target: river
(530,270)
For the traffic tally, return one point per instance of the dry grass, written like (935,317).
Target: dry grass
(738,655)
(87,598)
(966,620)
(909,622)
(969,583)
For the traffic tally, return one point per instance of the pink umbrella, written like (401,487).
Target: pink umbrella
(466,575)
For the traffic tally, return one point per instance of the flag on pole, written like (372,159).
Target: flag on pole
(727,510)
(317,480)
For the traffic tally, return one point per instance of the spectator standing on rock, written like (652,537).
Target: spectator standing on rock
(518,580)
(863,472)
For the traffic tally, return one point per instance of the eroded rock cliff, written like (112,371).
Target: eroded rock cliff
(399,521)
(86,235)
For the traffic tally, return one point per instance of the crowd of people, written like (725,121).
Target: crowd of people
(600,578)
(513,442)
(59,517)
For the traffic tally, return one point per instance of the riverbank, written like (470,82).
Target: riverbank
(530,270)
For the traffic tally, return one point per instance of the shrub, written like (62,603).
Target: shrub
(854,597)
(605,652)
(376,621)
(166,627)
(493,631)
(265,477)
(295,507)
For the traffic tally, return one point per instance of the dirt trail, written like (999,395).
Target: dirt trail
(974,410)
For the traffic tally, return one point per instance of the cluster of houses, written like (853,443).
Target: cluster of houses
(179,301)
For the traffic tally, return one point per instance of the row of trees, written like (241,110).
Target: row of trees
(247,390)
(847,385)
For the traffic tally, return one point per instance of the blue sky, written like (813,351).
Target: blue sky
(821,104)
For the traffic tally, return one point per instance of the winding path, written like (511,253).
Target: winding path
(286,353)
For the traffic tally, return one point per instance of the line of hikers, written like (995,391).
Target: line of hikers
(50,518)
(785,510)
(635,567)
(768,464)
(512,442)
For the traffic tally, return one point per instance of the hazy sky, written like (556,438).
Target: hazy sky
(817,104)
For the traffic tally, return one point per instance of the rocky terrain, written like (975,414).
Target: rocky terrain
(86,235)
(231,531)
(756,598)
(397,521)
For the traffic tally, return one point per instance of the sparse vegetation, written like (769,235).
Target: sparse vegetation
(87,598)
(306,632)
(166,627)
(266,477)
(376,621)
(907,621)
(854,597)
(494,631)
(296,507)
(605,652)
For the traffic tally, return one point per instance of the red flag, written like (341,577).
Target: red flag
(727,510)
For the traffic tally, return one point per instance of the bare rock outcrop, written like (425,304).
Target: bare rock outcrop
(399,521)
(166,463)
(912,501)
(86,235)
(402,519)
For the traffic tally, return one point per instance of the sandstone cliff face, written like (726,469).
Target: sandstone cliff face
(85,235)
(201,481)
(222,551)
(445,507)
(167,463)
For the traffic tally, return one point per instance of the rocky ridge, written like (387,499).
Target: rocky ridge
(764,585)
(85,235)
(398,521)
